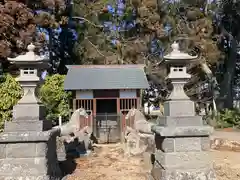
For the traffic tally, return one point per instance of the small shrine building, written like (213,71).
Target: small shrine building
(106,88)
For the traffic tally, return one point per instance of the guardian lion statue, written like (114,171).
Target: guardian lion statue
(138,138)
(73,131)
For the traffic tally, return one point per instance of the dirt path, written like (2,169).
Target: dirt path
(109,163)
(227,164)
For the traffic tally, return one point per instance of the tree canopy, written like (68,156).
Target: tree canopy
(17,28)
(130,32)
(44,22)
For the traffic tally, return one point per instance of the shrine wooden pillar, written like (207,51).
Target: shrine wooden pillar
(74,104)
(118,106)
(94,106)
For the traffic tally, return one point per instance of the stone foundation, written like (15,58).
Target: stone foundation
(158,173)
(29,178)
(182,149)
(26,125)
(29,155)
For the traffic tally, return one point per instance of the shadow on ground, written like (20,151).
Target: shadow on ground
(74,150)
(68,166)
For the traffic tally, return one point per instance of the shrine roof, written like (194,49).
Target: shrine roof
(82,77)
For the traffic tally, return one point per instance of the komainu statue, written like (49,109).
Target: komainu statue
(139,138)
(74,125)
(73,133)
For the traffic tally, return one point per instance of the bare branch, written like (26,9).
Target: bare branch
(95,47)
(82,18)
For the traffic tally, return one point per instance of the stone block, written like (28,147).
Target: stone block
(201,174)
(21,150)
(35,125)
(188,131)
(164,144)
(205,143)
(2,151)
(41,149)
(28,136)
(181,121)
(185,144)
(183,160)
(23,167)
(179,108)
(159,173)
(19,162)
(37,177)
(29,112)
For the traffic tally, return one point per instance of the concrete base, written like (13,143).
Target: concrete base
(179,108)
(158,173)
(29,155)
(182,146)
(29,111)
(26,126)
(28,178)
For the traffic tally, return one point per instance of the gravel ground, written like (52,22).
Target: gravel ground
(109,163)
(227,164)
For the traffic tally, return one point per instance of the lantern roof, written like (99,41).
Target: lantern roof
(176,54)
(29,56)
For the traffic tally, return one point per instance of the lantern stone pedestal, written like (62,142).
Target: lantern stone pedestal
(27,145)
(182,141)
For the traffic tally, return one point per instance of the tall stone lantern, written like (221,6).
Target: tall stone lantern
(182,140)
(29,106)
(27,145)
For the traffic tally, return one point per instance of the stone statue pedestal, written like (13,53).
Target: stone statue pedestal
(182,145)
(182,141)
(28,117)
(27,145)
(29,155)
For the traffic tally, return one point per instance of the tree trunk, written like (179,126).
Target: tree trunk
(226,85)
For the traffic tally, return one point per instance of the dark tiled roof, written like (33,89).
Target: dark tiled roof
(105,77)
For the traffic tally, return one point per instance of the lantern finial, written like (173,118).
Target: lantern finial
(31,47)
(175,47)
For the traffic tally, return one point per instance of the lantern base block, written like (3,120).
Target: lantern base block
(179,108)
(29,155)
(42,125)
(29,111)
(158,173)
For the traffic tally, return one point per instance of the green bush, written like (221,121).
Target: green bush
(55,99)
(10,93)
(228,118)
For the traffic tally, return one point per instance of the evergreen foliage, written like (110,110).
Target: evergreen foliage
(55,99)
(10,93)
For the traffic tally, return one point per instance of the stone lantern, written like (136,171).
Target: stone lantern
(182,140)
(29,106)
(178,75)
(28,144)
